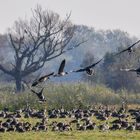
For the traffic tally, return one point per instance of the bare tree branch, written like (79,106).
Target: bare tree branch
(5,70)
(44,37)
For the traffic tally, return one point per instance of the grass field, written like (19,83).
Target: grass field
(67,96)
(71,135)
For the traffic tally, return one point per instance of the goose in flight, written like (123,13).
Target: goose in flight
(89,69)
(129,49)
(61,71)
(39,95)
(42,79)
(132,70)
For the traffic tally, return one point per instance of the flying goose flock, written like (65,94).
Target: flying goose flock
(111,118)
(88,69)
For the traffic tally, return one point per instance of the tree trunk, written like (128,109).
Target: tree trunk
(18,84)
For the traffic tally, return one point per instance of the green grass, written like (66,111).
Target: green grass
(73,135)
(69,96)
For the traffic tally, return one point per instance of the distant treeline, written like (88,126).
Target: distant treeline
(100,43)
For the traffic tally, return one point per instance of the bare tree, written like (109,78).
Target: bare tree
(44,37)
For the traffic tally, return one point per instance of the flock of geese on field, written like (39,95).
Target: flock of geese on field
(88,69)
(102,118)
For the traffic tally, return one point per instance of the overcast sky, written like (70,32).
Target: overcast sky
(101,14)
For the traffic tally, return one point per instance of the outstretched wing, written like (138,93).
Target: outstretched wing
(88,67)
(39,94)
(134,44)
(93,65)
(62,65)
(121,52)
(33,91)
(35,83)
(43,78)
(79,70)
(127,69)
(128,48)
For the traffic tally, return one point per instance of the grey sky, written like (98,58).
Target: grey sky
(101,14)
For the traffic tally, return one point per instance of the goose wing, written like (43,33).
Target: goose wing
(88,67)
(33,91)
(93,65)
(134,44)
(45,76)
(128,48)
(128,70)
(40,94)
(62,65)
(121,51)
(35,83)
(41,79)
(79,70)
(138,69)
